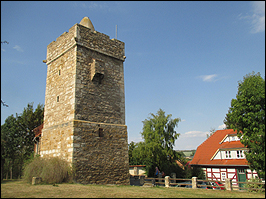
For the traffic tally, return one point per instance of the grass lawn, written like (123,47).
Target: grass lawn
(20,189)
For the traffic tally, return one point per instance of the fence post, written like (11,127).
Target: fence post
(228,184)
(36,180)
(135,171)
(153,181)
(167,181)
(141,180)
(194,182)
(173,175)
(33,180)
(160,176)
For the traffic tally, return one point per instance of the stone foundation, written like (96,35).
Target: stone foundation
(100,153)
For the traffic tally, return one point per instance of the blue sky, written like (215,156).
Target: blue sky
(183,57)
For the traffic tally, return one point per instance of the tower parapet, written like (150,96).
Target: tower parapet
(84,36)
(100,42)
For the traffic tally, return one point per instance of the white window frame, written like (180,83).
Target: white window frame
(239,154)
(223,176)
(228,155)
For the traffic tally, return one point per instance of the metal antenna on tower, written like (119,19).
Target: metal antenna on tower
(115,31)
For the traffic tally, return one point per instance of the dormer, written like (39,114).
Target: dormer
(229,138)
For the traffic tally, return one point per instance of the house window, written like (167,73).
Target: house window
(59,72)
(223,174)
(239,154)
(57,98)
(227,154)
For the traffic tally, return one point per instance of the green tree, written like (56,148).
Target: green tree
(3,103)
(4,42)
(159,137)
(9,144)
(247,116)
(212,131)
(16,139)
(194,171)
(27,121)
(135,153)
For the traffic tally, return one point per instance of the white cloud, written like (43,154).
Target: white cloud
(208,78)
(194,134)
(93,5)
(256,18)
(113,7)
(3,50)
(190,140)
(18,48)
(135,139)
(223,126)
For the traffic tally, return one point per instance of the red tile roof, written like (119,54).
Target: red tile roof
(208,148)
(232,145)
(38,130)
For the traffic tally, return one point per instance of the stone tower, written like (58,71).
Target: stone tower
(84,117)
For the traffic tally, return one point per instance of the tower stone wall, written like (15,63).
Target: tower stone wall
(84,117)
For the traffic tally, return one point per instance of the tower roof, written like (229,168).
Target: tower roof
(87,23)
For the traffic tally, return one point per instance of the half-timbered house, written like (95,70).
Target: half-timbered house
(222,156)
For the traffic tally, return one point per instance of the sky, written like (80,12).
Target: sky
(183,57)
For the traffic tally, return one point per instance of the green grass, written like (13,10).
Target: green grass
(21,189)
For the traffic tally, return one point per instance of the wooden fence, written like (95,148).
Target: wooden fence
(196,183)
(250,188)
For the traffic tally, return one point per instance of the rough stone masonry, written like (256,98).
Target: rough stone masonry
(84,117)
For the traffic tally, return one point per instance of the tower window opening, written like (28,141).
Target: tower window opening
(57,98)
(100,132)
(59,72)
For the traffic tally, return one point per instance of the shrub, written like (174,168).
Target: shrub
(51,170)
(255,186)
(33,168)
(194,172)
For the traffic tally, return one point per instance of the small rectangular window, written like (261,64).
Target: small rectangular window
(239,154)
(227,154)
(59,72)
(223,174)
(57,99)
(100,132)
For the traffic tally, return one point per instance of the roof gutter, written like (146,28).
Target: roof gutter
(220,165)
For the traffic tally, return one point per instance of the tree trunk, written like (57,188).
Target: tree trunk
(2,168)
(11,173)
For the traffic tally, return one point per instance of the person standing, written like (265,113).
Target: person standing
(157,171)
